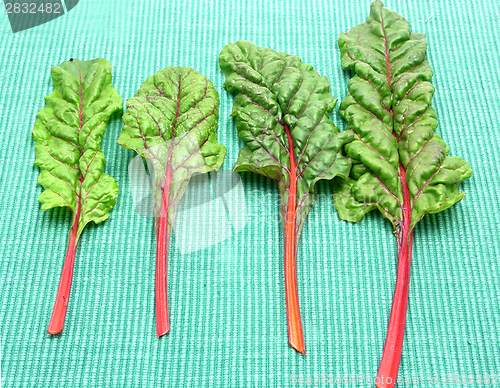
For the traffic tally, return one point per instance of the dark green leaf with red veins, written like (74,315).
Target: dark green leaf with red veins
(400,165)
(388,109)
(68,134)
(282,113)
(172,121)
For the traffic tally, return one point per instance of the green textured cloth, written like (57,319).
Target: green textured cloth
(227,304)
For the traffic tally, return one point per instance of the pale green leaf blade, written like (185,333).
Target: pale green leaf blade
(68,132)
(98,190)
(172,121)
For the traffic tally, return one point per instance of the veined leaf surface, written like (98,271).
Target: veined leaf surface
(278,96)
(388,109)
(68,136)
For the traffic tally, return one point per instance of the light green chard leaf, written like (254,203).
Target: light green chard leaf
(172,121)
(276,93)
(68,134)
(398,159)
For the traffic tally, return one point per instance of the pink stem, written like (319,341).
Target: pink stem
(56,323)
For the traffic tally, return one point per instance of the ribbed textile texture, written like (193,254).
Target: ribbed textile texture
(227,301)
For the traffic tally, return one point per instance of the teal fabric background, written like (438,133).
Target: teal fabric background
(227,302)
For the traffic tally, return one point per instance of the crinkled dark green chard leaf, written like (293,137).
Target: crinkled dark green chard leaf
(282,113)
(400,165)
(172,121)
(68,134)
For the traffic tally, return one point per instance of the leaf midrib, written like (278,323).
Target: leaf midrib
(78,217)
(405,208)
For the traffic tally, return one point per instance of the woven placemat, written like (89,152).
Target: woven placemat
(227,305)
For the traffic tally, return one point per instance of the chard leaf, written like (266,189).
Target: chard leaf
(68,134)
(388,110)
(400,165)
(172,121)
(282,114)
(276,93)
